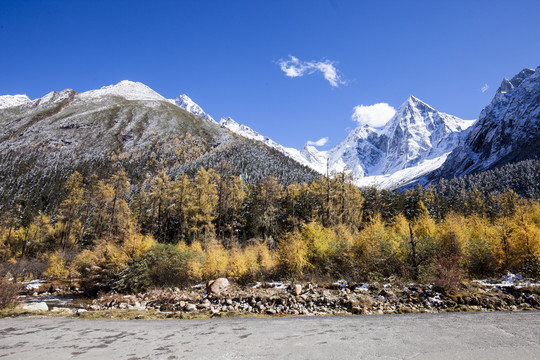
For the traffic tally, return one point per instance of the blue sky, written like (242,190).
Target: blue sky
(226,55)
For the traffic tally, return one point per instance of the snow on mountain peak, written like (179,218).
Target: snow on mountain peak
(187,104)
(7,101)
(129,90)
(417,138)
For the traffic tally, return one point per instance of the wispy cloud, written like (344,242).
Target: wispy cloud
(484,88)
(320,142)
(293,67)
(376,115)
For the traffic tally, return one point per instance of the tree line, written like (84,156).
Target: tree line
(178,230)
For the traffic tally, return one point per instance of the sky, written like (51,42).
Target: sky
(295,71)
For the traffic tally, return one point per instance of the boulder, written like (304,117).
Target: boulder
(36,306)
(297,289)
(217,286)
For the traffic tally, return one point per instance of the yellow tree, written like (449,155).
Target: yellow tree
(265,209)
(203,202)
(68,227)
(231,195)
(100,196)
(181,193)
(119,218)
(159,197)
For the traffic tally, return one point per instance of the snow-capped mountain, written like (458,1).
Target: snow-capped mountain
(414,142)
(127,125)
(417,141)
(189,105)
(508,129)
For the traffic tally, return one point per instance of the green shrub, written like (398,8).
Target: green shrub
(163,265)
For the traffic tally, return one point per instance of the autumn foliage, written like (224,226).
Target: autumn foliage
(183,229)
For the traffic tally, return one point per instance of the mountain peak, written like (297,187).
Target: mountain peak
(127,89)
(509,85)
(187,104)
(7,101)
(413,102)
(227,121)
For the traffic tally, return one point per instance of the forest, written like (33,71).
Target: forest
(181,230)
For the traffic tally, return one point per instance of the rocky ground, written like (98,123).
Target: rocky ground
(278,298)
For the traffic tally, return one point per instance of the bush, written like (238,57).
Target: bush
(293,255)
(24,269)
(163,265)
(57,269)
(217,260)
(448,274)
(8,294)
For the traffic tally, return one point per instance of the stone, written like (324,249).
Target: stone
(190,307)
(297,289)
(61,310)
(217,286)
(387,293)
(36,306)
(204,305)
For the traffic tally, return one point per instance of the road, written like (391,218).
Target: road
(503,335)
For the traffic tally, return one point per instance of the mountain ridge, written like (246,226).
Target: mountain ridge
(508,129)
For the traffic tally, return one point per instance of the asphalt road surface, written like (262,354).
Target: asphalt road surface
(502,335)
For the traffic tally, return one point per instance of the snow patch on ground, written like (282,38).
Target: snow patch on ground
(33,284)
(510,279)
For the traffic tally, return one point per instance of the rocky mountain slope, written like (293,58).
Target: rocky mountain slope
(508,129)
(43,141)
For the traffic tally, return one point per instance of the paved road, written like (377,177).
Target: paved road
(509,335)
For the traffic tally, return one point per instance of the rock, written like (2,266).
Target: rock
(204,305)
(297,289)
(36,306)
(61,310)
(190,307)
(217,286)
(358,310)
(387,293)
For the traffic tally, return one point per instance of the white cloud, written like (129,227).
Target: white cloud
(376,115)
(484,88)
(320,142)
(293,67)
